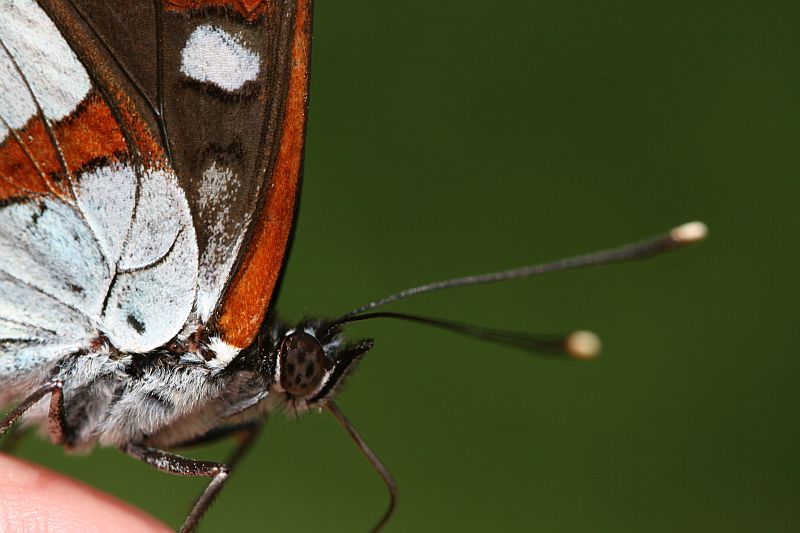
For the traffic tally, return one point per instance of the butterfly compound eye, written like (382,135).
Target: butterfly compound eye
(302,363)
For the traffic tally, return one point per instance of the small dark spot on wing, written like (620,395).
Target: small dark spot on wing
(136,324)
(77,289)
(37,214)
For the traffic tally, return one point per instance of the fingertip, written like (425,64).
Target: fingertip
(33,498)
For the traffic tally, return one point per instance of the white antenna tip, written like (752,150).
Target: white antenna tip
(583,345)
(689,233)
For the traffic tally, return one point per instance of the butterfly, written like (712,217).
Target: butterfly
(150,161)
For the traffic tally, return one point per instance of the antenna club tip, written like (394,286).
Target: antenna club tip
(689,233)
(583,345)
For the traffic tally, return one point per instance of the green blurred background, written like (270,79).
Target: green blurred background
(457,137)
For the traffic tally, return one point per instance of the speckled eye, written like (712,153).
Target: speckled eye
(302,363)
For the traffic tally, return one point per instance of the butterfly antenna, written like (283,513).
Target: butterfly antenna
(677,238)
(577,345)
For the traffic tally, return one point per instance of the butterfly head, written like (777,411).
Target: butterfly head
(312,361)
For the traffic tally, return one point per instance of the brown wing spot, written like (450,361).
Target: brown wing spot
(89,133)
(248,297)
(251,10)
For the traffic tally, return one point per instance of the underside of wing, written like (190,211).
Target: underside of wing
(96,236)
(150,156)
(225,84)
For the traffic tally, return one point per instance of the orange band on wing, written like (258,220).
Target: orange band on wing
(88,134)
(251,10)
(248,297)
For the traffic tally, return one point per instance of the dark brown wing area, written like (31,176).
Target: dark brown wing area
(223,85)
(249,296)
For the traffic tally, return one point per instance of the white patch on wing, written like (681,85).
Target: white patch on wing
(35,328)
(52,70)
(154,292)
(16,104)
(16,331)
(212,55)
(69,272)
(106,197)
(37,313)
(218,187)
(45,244)
(161,213)
(147,307)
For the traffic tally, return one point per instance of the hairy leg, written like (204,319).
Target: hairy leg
(183,466)
(56,422)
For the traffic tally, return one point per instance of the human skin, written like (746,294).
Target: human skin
(36,500)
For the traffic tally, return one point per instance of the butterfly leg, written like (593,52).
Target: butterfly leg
(56,423)
(245,435)
(182,466)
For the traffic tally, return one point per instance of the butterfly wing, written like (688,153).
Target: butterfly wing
(80,178)
(226,83)
(149,162)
